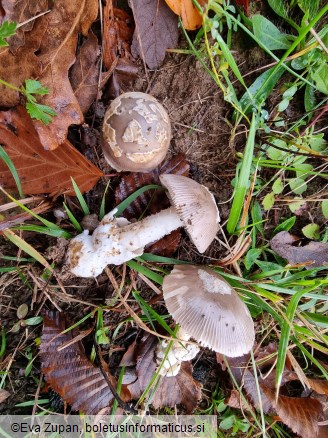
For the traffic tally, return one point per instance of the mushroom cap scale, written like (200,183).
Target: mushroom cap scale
(196,207)
(136,132)
(209,310)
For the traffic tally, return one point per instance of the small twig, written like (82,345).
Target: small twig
(33,18)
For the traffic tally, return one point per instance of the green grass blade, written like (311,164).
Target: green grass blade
(79,196)
(155,316)
(124,204)
(243,179)
(44,230)
(36,216)
(285,336)
(5,157)
(73,219)
(147,257)
(103,203)
(27,248)
(146,272)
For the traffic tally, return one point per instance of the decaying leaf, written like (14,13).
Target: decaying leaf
(48,53)
(117,38)
(19,12)
(69,372)
(181,389)
(313,254)
(85,72)
(190,16)
(56,55)
(3,395)
(152,201)
(302,415)
(41,171)
(156,30)
(117,35)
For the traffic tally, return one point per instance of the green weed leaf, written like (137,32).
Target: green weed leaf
(269,35)
(7,29)
(40,112)
(268,201)
(310,6)
(297,185)
(261,88)
(311,231)
(295,205)
(277,186)
(285,225)
(251,256)
(35,87)
(324,206)
(320,77)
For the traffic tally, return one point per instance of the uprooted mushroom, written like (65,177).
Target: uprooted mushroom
(116,240)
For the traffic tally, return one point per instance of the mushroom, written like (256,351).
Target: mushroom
(209,310)
(116,240)
(136,133)
(180,351)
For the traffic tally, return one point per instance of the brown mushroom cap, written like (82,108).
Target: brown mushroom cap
(196,207)
(136,132)
(209,310)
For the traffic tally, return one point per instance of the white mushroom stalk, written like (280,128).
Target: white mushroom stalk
(116,240)
(180,351)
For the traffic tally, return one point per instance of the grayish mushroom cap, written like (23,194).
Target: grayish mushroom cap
(196,207)
(136,133)
(209,310)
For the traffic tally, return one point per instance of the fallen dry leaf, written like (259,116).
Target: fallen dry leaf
(47,54)
(85,73)
(236,401)
(302,415)
(41,171)
(156,30)
(56,55)
(313,254)
(20,11)
(190,16)
(117,36)
(181,389)
(69,372)
(3,395)
(152,201)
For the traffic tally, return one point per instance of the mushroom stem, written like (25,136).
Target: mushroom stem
(140,234)
(116,241)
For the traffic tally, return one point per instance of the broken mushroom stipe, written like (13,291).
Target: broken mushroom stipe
(136,133)
(116,240)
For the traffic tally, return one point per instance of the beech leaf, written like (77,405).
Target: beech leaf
(302,415)
(68,370)
(41,171)
(156,30)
